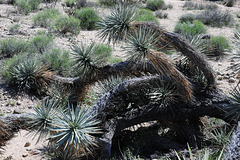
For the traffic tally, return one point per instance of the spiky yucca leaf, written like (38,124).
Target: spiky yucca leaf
(234,111)
(236,41)
(116,26)
(107,85)
(62,94)
(86,61)
(164,94)
(74,129)
(42,118)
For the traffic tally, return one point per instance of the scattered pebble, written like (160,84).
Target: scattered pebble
(27,144)
(231,80)
(19,103)
(24,155)
(17,111)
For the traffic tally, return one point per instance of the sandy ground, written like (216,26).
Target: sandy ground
(15,149)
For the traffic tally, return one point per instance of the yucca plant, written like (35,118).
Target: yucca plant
(140,48)
(236,42)
(30,74)
(42,118)
(116,26)
(234,111)
(165,94)
(74,129)
(86,61)
(105,86)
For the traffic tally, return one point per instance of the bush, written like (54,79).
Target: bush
(27,6)
(76,3)
(108,2)
(14,29)
(103,50)
(146,15)
(88,18)
(218,46)
(11,47)
(200,6)
(44,18)
(59,62)
(155,4)
(215,18)
(189,17)
(192,29)
(41,43)
(112,59)
(160,14)
(229,3)
(64,24)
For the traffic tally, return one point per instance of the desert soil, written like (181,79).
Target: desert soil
(11,103)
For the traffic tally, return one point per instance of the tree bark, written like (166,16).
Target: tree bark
(213,104)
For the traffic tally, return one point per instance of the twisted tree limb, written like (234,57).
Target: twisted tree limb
(213,104)
(172,40)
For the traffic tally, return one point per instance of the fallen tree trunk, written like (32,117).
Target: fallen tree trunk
(115,119)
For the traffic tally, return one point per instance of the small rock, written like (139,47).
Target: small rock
(24,155)
(232,63)
(231,80)
(232,60)
(28,149)
(238,77)
(17,111)
(19,103)
(35,152)
(220,78)
(27,144)
(29,107)
(218,83)
(219,73)
(226,77)
(219,64)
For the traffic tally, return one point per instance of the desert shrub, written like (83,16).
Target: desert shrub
(41,43)
(146,15)
(229,3)
(188,28)
(64,24)
(189,17)
(108,2)
(27,6)
(11,46)
(215,18)
(76,3)
(59,61)
(88,18)
(218,46)
(103,50)
(44,18)
(160,14)
(155,4)
(113,59)
(14,29)
(200,6)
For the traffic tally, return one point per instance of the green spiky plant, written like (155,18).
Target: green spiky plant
(140,48)
(74,128)
(86,61)
(234,111)
(236,42)
(42,118)
(30,74)
(61,94)
(116,26)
